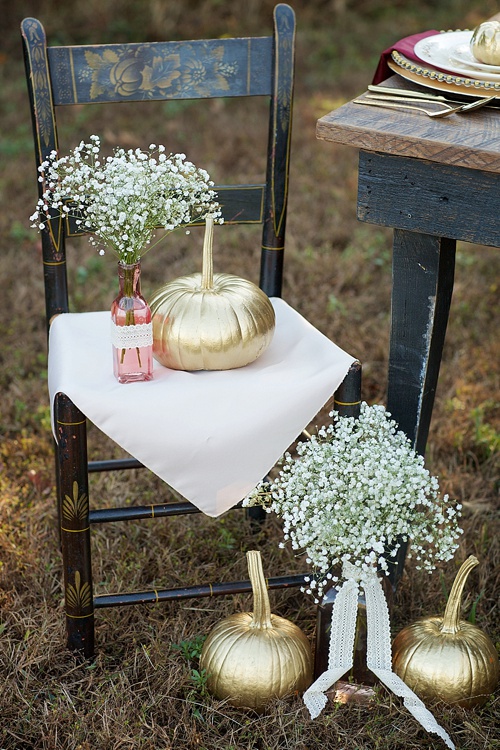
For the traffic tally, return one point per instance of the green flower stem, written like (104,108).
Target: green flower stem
(128,291)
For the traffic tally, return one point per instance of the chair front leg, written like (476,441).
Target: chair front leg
(73,501)
(347,403)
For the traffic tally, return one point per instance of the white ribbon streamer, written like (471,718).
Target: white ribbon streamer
(378,659)
(340,658)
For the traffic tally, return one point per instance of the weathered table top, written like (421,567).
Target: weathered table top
(471,140)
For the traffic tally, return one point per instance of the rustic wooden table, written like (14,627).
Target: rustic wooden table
(434,182)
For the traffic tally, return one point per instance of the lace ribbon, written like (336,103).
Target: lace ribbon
(131,337)
(379,661)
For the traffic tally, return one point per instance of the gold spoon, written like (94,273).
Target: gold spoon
(442,113)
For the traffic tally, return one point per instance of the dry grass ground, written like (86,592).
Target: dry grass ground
(142,692)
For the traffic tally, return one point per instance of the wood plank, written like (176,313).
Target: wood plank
(197,69)
(423,196)
(471,140)
(241,204)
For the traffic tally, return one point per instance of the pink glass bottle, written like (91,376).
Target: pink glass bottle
(132,336)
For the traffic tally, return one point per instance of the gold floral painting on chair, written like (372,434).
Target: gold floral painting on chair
(147,73)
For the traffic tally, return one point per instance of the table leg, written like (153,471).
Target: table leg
(423,273)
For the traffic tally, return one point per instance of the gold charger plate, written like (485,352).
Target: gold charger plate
(436,79)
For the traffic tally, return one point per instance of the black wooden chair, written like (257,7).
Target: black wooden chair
(60,76)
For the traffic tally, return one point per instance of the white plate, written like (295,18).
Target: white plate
(463,55)
(441,51)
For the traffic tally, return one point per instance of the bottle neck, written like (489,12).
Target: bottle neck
(129,275)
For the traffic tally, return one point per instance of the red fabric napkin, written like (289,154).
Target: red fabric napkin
(405,47)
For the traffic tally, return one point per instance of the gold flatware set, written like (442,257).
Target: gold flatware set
(404,99)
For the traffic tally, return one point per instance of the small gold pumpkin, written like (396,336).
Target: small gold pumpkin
(485,43)
(210,321)
(252,657)
(445,658)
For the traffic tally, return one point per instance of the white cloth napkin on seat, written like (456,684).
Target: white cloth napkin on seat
(212,436)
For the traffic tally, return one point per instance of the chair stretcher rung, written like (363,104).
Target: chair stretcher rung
(136,512)
(115,463)
(192,592)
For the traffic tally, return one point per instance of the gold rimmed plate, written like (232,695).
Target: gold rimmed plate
(445,82)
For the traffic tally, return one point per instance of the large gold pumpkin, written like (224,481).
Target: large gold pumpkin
(210,322)
(485,43)
(445,658)
(252,657)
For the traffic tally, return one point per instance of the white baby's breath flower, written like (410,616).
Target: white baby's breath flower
(355,493)
(121,200)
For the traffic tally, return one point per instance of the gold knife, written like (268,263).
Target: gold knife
(409,94)
(387,98)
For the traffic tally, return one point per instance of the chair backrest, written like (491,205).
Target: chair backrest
(203,69)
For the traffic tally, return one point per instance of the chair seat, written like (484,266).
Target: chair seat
(226,428)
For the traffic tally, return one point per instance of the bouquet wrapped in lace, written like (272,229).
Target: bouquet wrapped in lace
(357,491)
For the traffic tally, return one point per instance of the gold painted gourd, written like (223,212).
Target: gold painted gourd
(445,658)
(252,657)
(208,321)
(485,43)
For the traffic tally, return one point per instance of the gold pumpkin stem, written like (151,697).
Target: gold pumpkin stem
(261,607)
(207,269)
(451,617)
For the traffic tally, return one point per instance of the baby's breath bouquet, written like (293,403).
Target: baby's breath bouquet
(356,491)
(122,199)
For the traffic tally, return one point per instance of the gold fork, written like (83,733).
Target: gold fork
(463,108)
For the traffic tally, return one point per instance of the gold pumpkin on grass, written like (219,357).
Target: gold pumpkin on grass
(252,657)
(445,658)
(209,321)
